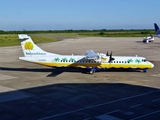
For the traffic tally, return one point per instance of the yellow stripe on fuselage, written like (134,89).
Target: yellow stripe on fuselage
(98,65)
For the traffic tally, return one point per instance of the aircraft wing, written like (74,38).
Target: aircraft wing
(91,55)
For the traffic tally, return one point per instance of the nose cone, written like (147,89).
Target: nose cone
(152,65)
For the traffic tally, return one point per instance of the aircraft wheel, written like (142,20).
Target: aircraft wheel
(91,72)
(144,70)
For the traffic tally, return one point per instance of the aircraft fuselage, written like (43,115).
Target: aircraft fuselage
(82,62)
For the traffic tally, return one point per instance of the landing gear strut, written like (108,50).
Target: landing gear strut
(92,71)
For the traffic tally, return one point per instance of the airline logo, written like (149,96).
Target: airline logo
(104,58)
(28,46)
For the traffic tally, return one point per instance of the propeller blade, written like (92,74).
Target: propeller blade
(111,54)
(107,54)
(111,58)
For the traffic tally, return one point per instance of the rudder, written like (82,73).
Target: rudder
(157,31)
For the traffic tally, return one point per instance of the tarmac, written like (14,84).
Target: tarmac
(29,91)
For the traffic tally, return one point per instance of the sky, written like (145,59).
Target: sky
(78,14)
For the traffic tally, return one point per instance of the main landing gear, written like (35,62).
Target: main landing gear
(93,70)
(145,70)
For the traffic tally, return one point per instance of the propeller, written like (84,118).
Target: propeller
(110,57)
(107,54)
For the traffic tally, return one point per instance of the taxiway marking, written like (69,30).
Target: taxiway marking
(65,113)
(146,115)
(155,100)
(136,105)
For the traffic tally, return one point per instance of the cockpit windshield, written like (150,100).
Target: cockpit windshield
(144,60)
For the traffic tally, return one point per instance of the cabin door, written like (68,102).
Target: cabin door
(54,62)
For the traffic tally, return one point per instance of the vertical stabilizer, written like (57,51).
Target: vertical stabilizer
(157,30)
(30,49)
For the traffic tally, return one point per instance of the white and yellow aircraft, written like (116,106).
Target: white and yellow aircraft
(91,60)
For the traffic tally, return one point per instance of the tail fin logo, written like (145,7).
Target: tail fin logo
(28,46)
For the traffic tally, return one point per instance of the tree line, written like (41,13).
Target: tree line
(100,32)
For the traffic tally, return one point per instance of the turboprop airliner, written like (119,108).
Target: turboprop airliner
(91,60)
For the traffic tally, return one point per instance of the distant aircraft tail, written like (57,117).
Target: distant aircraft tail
(30,49)
(157,30)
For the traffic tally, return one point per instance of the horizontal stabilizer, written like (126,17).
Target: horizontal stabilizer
(23,36)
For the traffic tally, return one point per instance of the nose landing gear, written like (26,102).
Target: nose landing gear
(145,70)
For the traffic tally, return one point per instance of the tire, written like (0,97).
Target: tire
(91,72)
